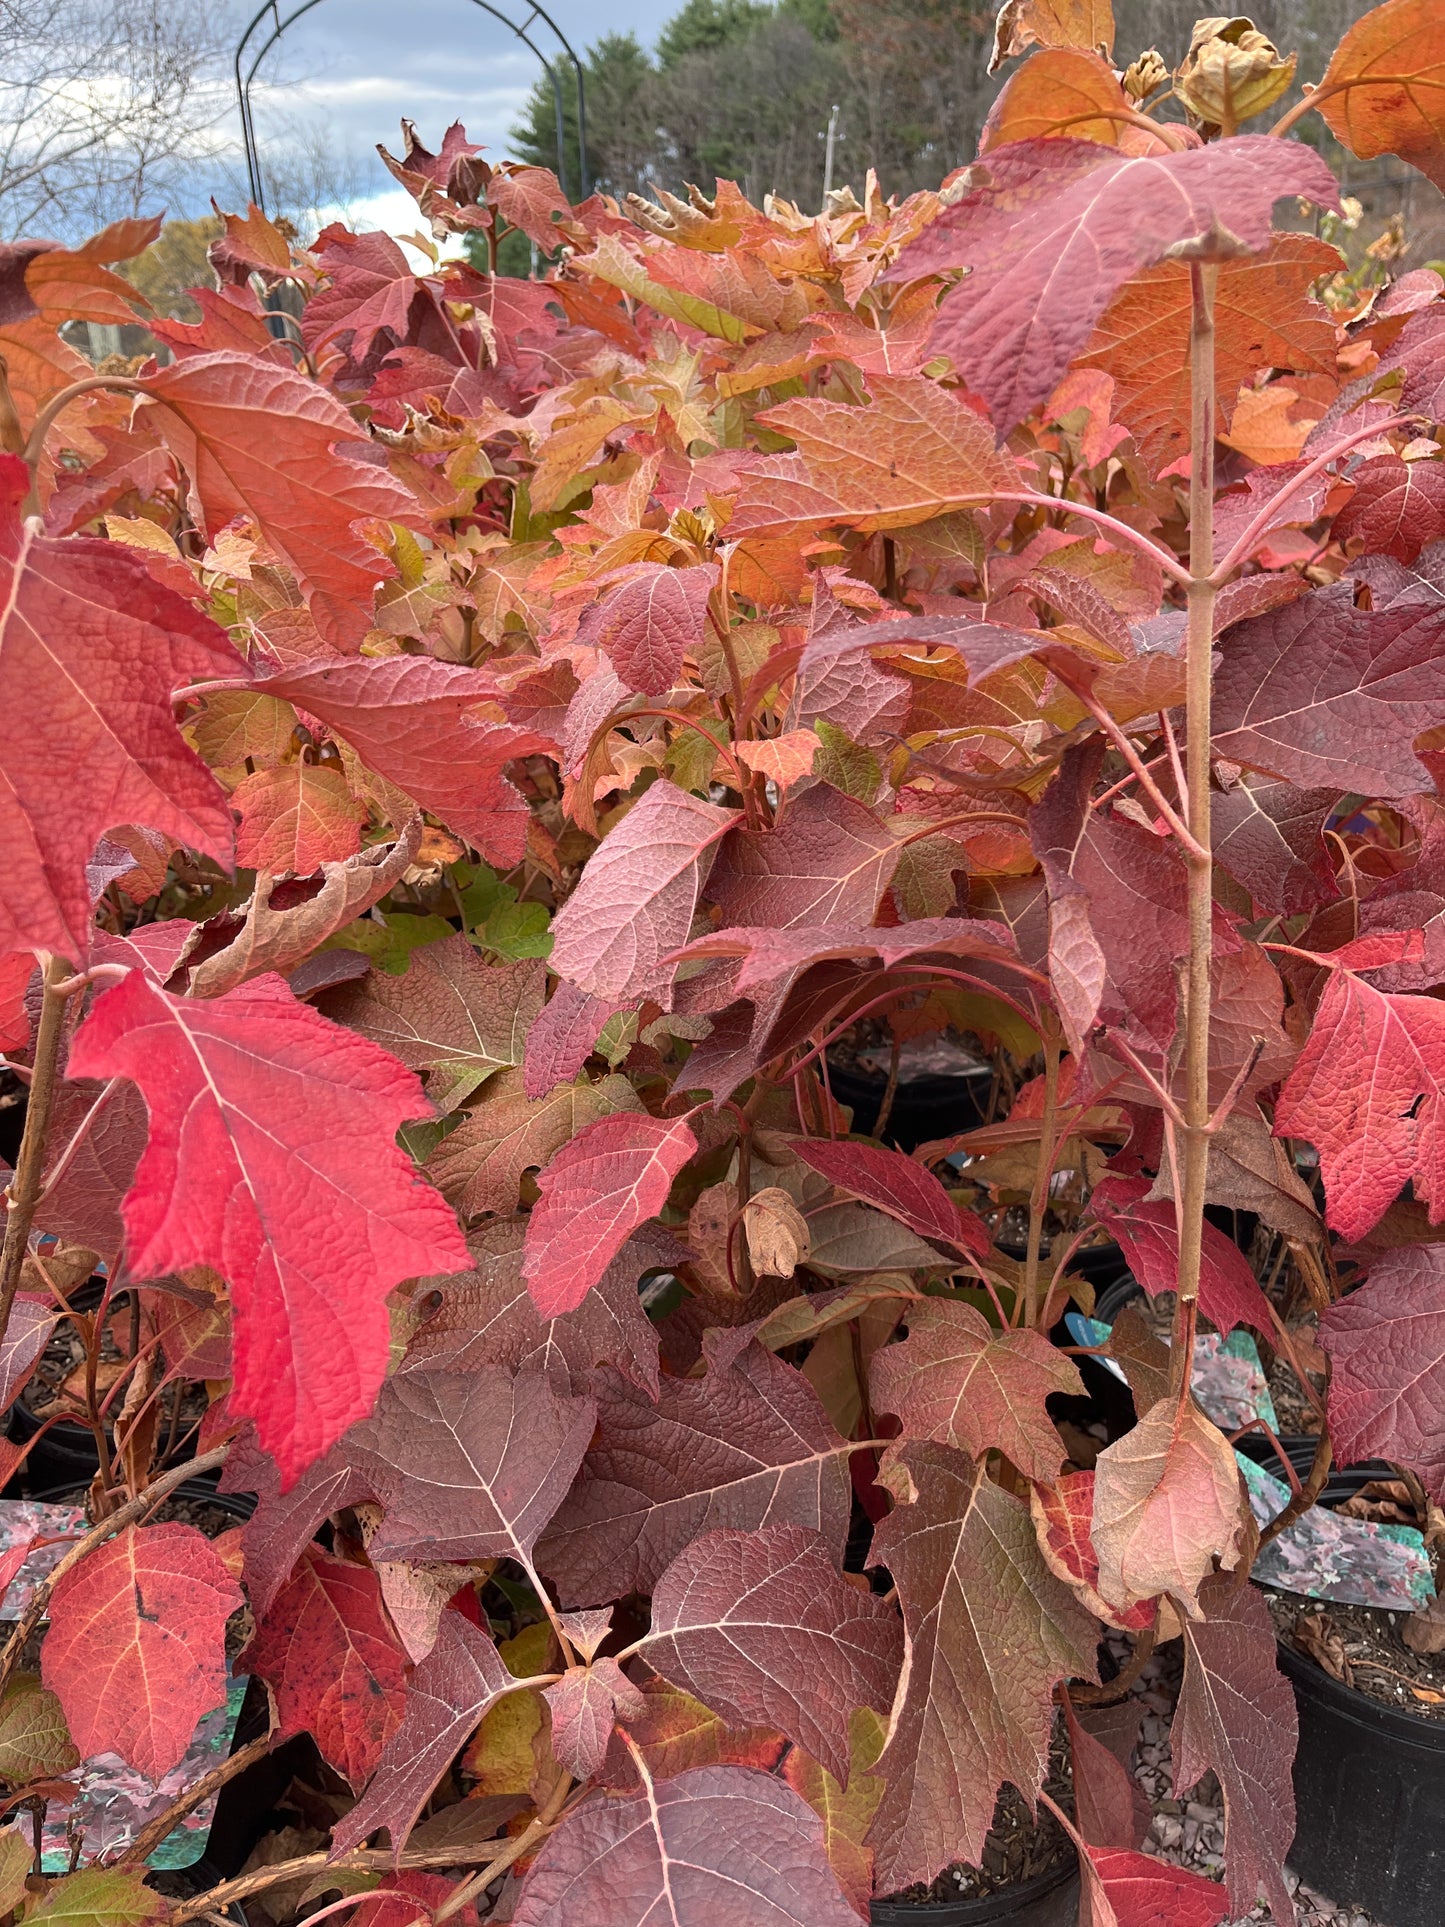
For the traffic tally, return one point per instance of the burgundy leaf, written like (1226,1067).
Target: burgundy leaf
(32,1319)
(649,622)
(469,1465)
(1110,1806)
(899,1185)
(1397,509)
(829,861)
(721,1846)
(1322,693)
(562,1037)
(1236,1715)
(638,895)
(1270,837)
(1053,228)
(450,1691)
(586,1703)
(759,1626)
(748,1444)
(489,1318)
(973,1587)
(769,954)
(1386,1343)
(450,1015)
(599,1188)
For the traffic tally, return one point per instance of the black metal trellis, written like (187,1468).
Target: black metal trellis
(272,11)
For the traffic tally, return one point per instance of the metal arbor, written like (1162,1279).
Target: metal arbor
(271,12)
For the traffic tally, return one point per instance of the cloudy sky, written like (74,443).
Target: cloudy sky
(353,68)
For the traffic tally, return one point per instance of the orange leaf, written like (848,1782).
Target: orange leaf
(1392,64)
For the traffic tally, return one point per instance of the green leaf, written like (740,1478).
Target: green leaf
(15,1863)
(35,1743)
(518,930)
(99,1897)
(845,764)
(389,945)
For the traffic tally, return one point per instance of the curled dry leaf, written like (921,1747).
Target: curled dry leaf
(776,1231)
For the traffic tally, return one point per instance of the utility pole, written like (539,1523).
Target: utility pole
(831,138)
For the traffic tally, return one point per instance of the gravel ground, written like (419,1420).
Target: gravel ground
(1190,1833)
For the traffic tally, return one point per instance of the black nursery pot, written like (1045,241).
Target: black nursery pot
(1369,1786)
(67,1454)
(924,1108)
(1048,1900)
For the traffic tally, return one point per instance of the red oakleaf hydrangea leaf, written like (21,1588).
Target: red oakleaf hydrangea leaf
(1166,1504)
(769,954)
(829,861)
(638,895)
(609,1179)
(717,1847)
(136,1650)
(760,1627)
(32,1319)
(91,646)
(272,1159)
(1148,1236)
(899,1185)
(1386,1343)
(449,1693)
(748,1444)
(1320,692)
(1132,1890)
(1367,1091)
(295,818)
(260,440)
(562,1037)
(1110,1806)
(1118,919)
(1055,227)
(333,1661)
(649,622)
(1237,1715)
(956,1380)
(972,1583)
(408,718)
(489,1318)
(467,1465)
(1397,508)
(586,1703)
(1063,1516)
(16,971)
